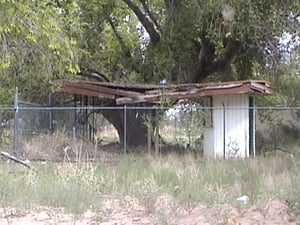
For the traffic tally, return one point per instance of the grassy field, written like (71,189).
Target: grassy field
(77,186)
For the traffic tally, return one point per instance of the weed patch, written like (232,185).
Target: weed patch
(78,186)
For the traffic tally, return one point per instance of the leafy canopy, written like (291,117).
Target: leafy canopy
(36,47)
(141,40)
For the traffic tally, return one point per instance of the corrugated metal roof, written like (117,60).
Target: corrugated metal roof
(136,93)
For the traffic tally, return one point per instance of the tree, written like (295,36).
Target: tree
(184,40)
(36,48)
(188,41)
(139,41)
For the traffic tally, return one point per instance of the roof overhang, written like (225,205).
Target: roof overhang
(139,93)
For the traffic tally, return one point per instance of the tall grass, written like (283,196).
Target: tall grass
(79,185)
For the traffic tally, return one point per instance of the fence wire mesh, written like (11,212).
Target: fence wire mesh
(148,129)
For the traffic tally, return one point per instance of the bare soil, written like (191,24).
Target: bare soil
(163,210)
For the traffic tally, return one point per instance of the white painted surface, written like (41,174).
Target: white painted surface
(230,127)
(208,142)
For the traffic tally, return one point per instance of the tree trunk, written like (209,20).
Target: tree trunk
(134,127)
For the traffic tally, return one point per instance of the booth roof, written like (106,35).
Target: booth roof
(141,93)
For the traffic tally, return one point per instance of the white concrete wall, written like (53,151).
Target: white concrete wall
(208,142)
(232,136)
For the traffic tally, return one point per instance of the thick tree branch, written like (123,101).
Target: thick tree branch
(206,64)
(93,74)
(226,58)
(150,14)
(124,47)
(120,39)
(154,35)
(205,59)
(15,159)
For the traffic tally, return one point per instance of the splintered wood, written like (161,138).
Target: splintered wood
(137,93)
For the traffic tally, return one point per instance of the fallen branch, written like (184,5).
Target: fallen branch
(14,159)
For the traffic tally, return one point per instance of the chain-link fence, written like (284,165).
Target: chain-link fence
(33,130)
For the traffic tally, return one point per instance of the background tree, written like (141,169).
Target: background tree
(184,41)
(140,41)
(188,41)
(36,48)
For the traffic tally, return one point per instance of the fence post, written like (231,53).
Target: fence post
(149,135)
(251,127)
(50,113)
(156,144)
(16,121)
(224,131)
(125,129)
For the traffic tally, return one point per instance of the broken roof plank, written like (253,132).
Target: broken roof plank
(194,93)
(137,93)
(78,91)
(96,88)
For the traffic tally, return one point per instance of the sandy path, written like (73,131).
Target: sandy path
(165,210)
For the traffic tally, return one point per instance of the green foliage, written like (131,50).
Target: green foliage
(102,48)
(286,82)
(184,126)
(35,47)
(44,41)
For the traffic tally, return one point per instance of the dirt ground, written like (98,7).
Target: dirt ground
(164,210)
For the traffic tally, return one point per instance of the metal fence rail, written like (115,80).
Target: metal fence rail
(180,128)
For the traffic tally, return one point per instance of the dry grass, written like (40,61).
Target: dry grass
(77,184)
(107,135)
(57,147)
